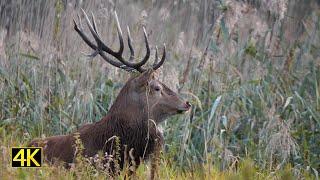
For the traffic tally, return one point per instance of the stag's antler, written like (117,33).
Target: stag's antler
(101,48)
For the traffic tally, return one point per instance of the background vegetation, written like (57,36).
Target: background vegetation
(250,68)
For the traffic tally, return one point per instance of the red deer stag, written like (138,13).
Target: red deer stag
(142,103)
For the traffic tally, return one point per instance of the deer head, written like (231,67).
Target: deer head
(143,95)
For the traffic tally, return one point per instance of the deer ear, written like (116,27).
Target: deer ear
(145,77)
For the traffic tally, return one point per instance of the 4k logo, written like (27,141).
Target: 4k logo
(26,157)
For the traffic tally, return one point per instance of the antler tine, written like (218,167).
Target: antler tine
(130,45)
(156,57)
(120,37)
(94,47)
(138,65)
(82,35)
(100,47)
(146,57)
(163,58)
(94,24)
(79,21)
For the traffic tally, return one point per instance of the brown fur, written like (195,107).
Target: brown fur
(133,118)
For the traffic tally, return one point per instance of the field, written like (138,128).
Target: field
(251,70)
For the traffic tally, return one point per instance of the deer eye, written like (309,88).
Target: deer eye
(157,88)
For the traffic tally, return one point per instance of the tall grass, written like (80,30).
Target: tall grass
(253,80)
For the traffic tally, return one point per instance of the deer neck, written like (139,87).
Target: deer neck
(131,112)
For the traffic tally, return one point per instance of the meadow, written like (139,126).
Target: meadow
(251,70)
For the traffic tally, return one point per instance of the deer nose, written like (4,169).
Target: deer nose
(188,104)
